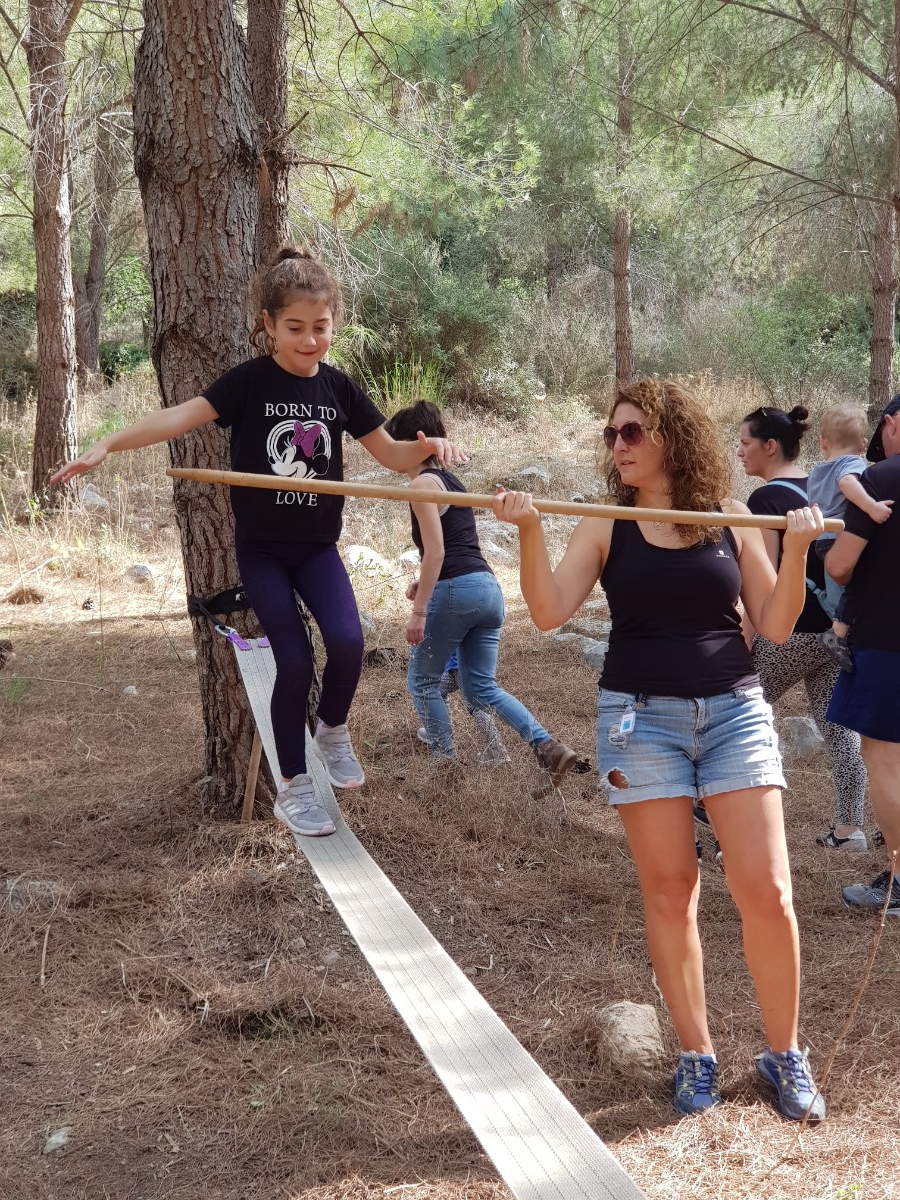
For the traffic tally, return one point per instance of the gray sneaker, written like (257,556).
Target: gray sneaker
(334,748)
(298,807)
(872,896)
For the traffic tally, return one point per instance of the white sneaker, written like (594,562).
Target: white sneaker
(334,748)
(855,843)
(298,807)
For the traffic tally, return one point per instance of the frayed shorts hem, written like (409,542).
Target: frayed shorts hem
(616,796)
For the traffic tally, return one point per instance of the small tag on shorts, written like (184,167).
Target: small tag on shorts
(626,725)
(620,732)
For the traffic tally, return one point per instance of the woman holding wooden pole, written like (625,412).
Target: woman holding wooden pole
(682,715)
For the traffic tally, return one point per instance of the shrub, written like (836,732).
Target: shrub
(121,358)
(405,383)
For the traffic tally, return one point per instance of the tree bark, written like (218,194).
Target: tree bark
(267,46)
(196,159)
(55,434)
(109,156)
(884,303)
(267,49)
(622,222)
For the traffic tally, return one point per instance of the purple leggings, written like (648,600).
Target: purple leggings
(271,572)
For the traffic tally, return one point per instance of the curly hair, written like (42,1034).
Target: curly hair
(695,461)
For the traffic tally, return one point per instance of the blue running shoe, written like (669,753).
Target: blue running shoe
(696,1083)
(795,1089)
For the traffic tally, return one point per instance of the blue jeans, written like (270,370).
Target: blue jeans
(464,615)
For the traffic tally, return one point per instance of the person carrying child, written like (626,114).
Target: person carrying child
(833,484)
(458,608)
(287,410)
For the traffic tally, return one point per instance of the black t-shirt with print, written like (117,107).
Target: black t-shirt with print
(292,426)
(874,590)
(777,498)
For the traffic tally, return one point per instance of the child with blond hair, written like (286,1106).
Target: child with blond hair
(833,484)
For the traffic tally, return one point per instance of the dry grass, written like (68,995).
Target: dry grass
(164,988)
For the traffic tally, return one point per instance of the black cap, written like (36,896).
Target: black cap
(875,452)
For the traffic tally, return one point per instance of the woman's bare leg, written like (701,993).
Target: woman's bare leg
(750,827)
(661,839)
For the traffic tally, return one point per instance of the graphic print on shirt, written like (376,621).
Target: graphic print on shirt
(299,449)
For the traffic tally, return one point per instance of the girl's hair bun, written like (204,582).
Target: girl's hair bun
(297,252)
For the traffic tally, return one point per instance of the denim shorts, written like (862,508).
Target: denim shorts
(656,747)
(868,701)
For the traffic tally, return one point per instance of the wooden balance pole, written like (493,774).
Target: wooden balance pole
(566,508)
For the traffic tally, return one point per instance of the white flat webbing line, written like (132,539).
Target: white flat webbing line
(540,1145)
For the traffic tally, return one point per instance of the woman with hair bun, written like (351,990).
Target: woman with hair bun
(768,449)
(288,410)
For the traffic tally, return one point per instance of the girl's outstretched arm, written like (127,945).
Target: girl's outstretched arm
(403,456)
(552,595)
(159,426)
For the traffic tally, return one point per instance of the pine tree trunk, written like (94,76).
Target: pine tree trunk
(884,303)
(622,223)
(196,158)
(55,434)
(109,154)
(267,46)
(267,49)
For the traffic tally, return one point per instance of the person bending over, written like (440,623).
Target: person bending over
(458,608)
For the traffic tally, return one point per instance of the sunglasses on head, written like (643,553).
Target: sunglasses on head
(631,433)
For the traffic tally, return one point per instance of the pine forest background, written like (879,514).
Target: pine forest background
(513,194)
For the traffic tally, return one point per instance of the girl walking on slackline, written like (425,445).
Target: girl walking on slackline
(287,411)
(682,716)
(457,607)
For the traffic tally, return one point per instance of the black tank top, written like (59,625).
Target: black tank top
(462,554)
(676,630)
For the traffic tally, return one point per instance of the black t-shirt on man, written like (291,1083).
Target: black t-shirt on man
(289,425)
(874,590)
(777,498)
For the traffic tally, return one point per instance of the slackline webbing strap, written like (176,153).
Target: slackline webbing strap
(540,1145)
(231,600)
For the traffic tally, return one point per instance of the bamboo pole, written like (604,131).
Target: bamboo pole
(378,491)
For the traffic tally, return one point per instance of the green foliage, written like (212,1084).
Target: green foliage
(14,690)
(799,339)
(120,358)
(17,308)
(111,422)
(406,382)
(127,294)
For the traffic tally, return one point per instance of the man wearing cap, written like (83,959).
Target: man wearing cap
(866,557)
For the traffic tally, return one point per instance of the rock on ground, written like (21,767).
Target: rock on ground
(632,1036)
(800,739)
(589,649)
